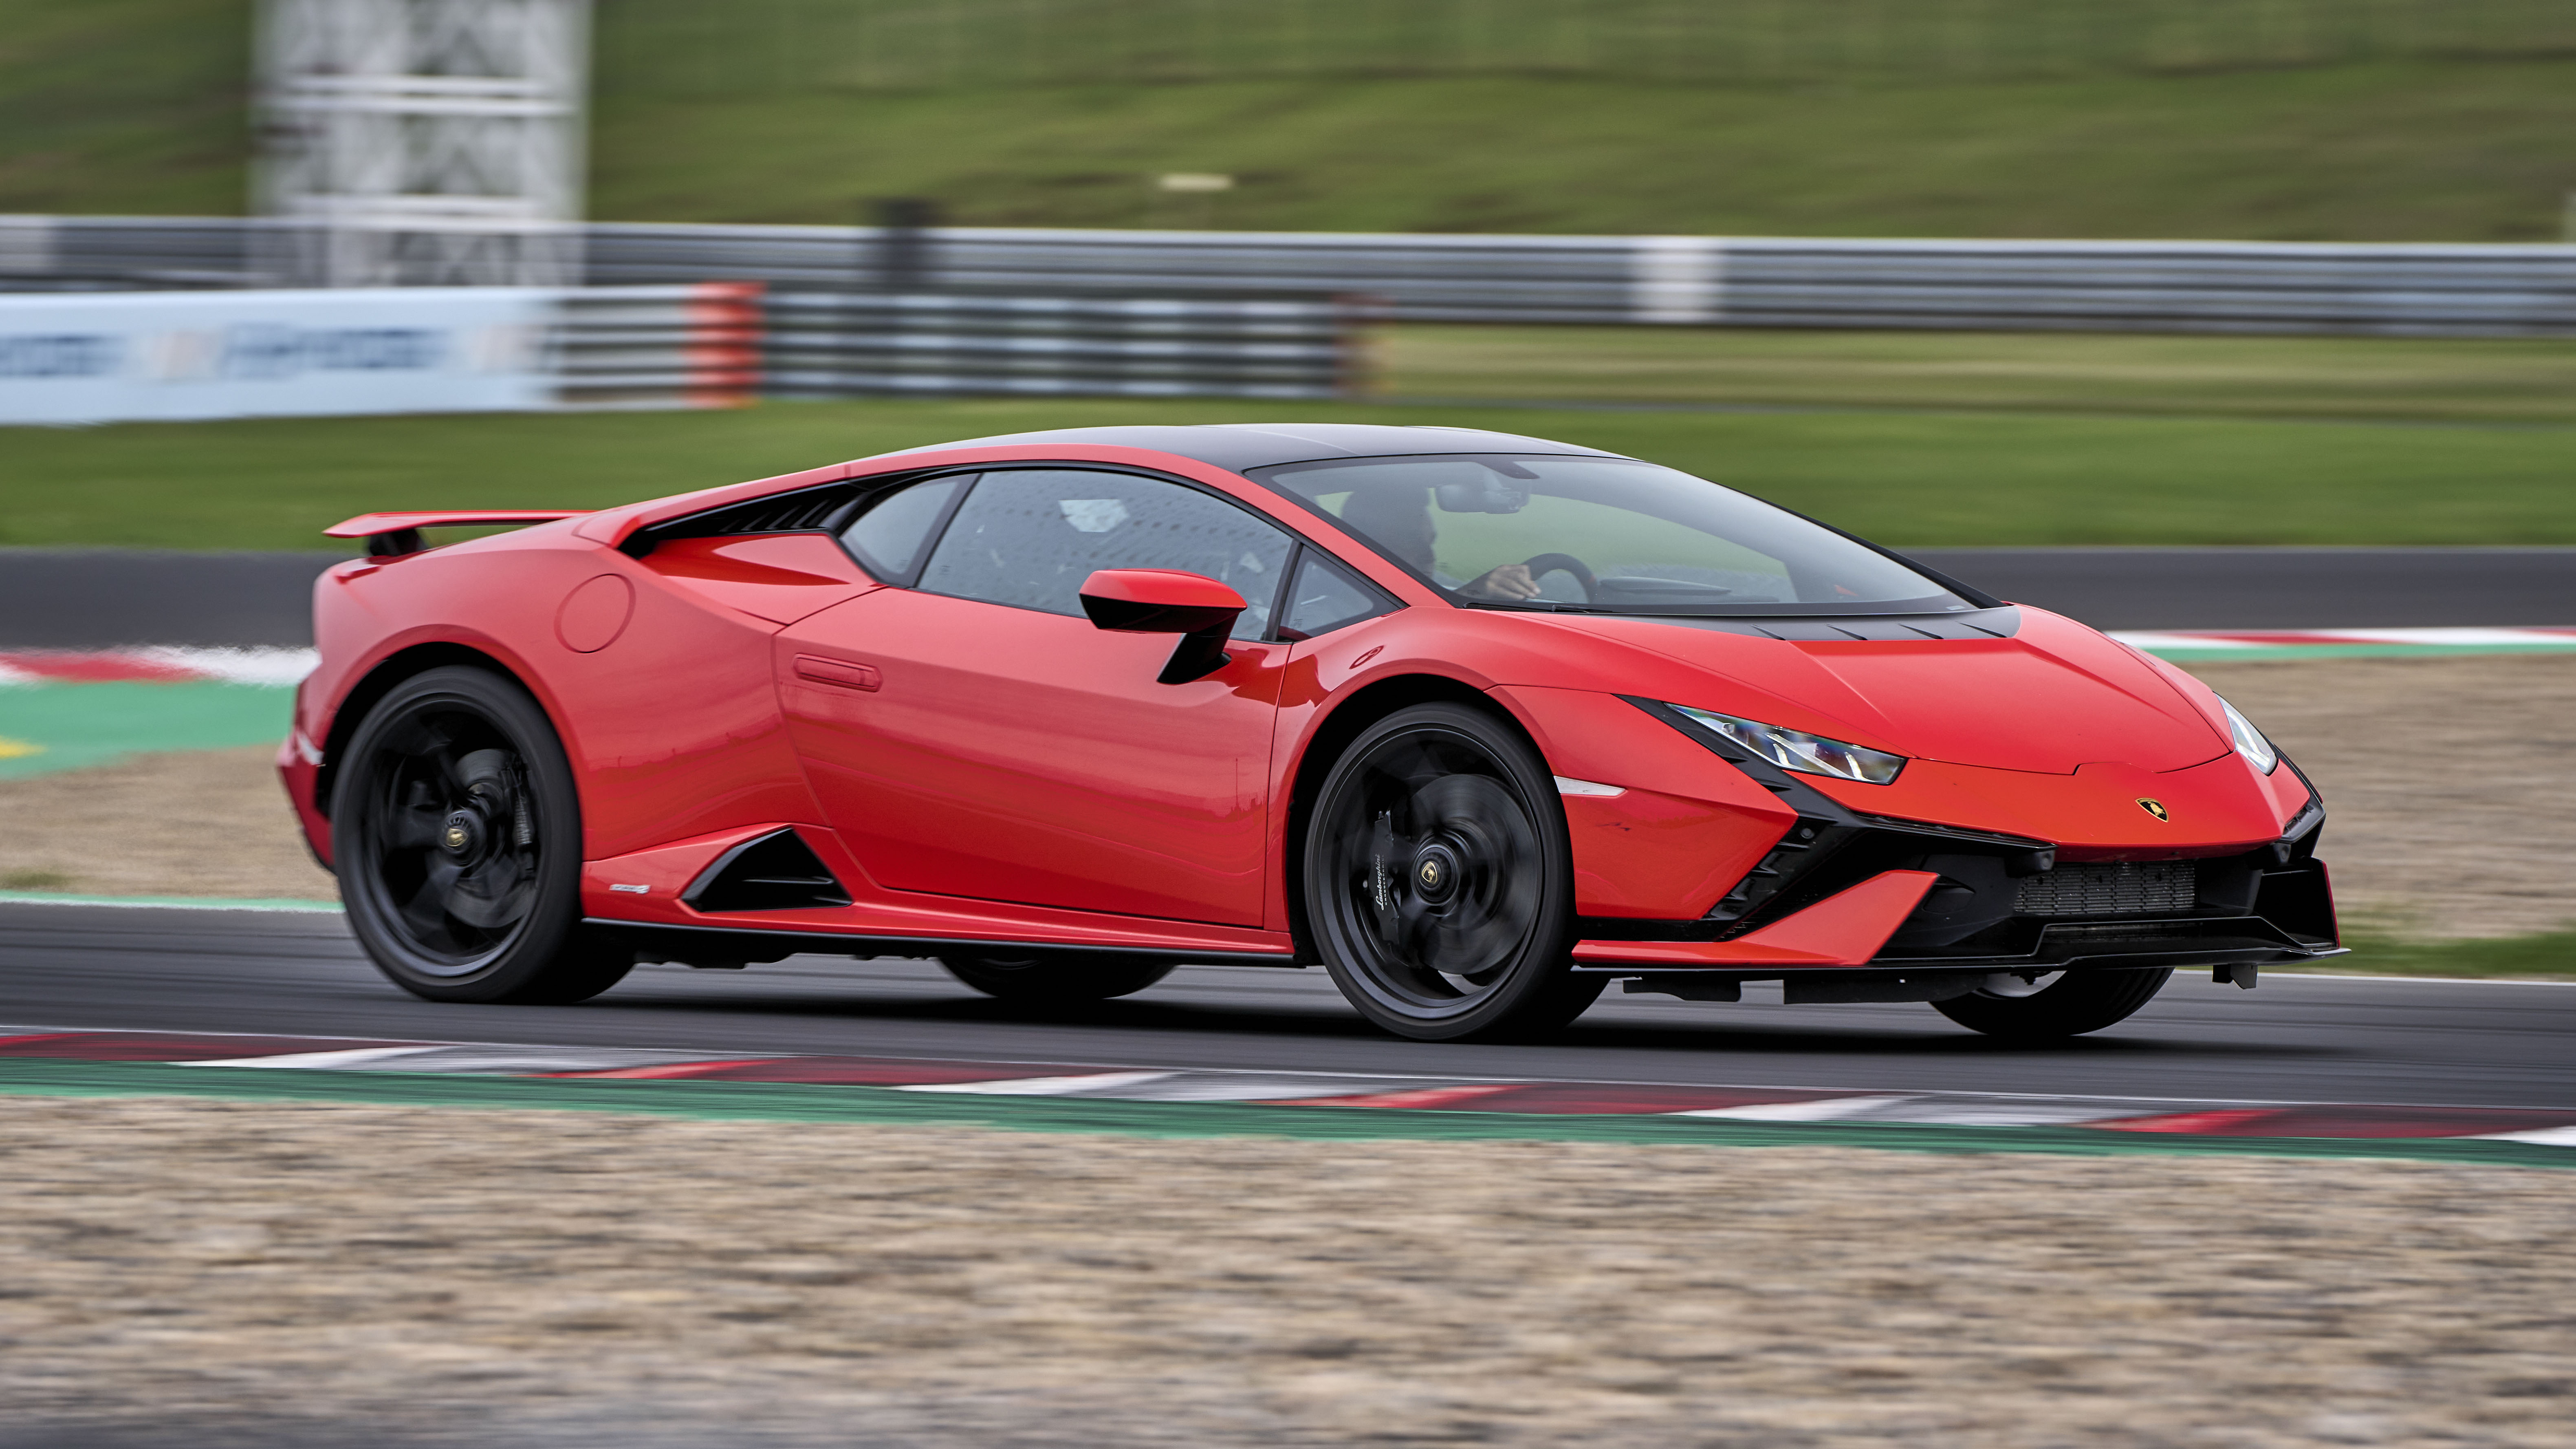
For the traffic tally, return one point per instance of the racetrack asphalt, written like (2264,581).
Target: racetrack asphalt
(101,598)
(2293,1039)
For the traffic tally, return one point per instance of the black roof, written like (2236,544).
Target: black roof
(1238,446)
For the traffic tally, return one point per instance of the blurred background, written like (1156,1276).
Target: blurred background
(2243,328)
(1916,265)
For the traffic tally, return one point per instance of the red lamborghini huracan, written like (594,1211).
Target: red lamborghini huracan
(1478,722)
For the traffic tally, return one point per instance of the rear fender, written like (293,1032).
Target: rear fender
(310,758)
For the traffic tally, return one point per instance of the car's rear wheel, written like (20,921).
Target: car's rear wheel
(456,834)
(1438,883)
(2075,1003)
(1053,976)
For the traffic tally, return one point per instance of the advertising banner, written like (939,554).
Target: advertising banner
(101,357)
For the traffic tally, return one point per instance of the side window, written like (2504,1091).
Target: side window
(888,533)
(1029,537)
(1325,597)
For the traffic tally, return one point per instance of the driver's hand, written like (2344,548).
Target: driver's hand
(1511,581)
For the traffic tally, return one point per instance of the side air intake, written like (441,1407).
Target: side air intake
(773,872)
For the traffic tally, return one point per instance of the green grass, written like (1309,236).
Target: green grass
(1905,478)
(2315,377)
(124,105)
(2549,955)
(681,45)
(2470,151)
(2433,119)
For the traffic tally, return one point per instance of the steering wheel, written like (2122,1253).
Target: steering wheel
(1550,562)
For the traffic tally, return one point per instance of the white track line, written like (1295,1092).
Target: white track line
(1119,1070)
(2546,1137)
(318,1061)
(1830,1109)
(1044,1086)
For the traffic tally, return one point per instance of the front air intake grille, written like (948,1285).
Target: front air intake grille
(2120,888)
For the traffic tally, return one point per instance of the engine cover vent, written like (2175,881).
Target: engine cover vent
(773,872)
(2116,888)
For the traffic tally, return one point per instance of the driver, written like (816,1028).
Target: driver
(1399,520)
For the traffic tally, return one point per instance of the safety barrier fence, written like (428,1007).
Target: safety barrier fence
(657,347)
(77,357)
(2361,288)
(852,343)
(86,357)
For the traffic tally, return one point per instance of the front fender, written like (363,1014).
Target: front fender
(1684,825)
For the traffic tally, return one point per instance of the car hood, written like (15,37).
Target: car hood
(2053,696)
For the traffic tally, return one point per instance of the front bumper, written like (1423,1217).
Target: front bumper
(1843,889)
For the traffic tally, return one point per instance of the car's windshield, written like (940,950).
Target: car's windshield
(1604,534)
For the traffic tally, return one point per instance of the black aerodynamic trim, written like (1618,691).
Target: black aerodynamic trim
(761,943)
(825,508)
(2131,946)
(2004,901)
(1828,848)
(773,872)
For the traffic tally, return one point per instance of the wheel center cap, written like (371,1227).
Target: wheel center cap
(1435,874)
(460,834)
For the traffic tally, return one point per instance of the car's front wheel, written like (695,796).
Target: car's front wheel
(456,834)
(1438,883)
(2073,1004)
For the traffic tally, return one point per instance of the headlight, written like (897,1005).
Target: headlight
(2250,743)
(1813,754)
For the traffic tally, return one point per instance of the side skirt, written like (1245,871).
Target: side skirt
(733,946)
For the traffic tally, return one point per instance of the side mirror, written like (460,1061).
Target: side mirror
(1167,601)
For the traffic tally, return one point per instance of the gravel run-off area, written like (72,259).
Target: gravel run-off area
(176,1270)
(2450,781)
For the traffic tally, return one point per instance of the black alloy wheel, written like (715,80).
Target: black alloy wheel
(1053,977)
(2073,1004)
(456,834)
(1438,883)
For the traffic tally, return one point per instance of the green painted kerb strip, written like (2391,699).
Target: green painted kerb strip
(778,1102)
(56,727)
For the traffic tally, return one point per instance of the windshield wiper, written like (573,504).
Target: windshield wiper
(1549,606)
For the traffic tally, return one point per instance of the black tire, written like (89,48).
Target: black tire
(2075,1003)
(456,834)
(1053,977)
(1439,886)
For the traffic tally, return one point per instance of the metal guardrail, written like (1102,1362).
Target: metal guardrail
(855,343)
(2146,286)
(657,347)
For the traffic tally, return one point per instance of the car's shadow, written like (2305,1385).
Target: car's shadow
(1021,1028)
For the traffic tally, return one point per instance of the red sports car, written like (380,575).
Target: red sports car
(1478,722)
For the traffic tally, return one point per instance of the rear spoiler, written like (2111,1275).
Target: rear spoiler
(391,535)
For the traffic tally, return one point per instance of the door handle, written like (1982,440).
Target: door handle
(840,672)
